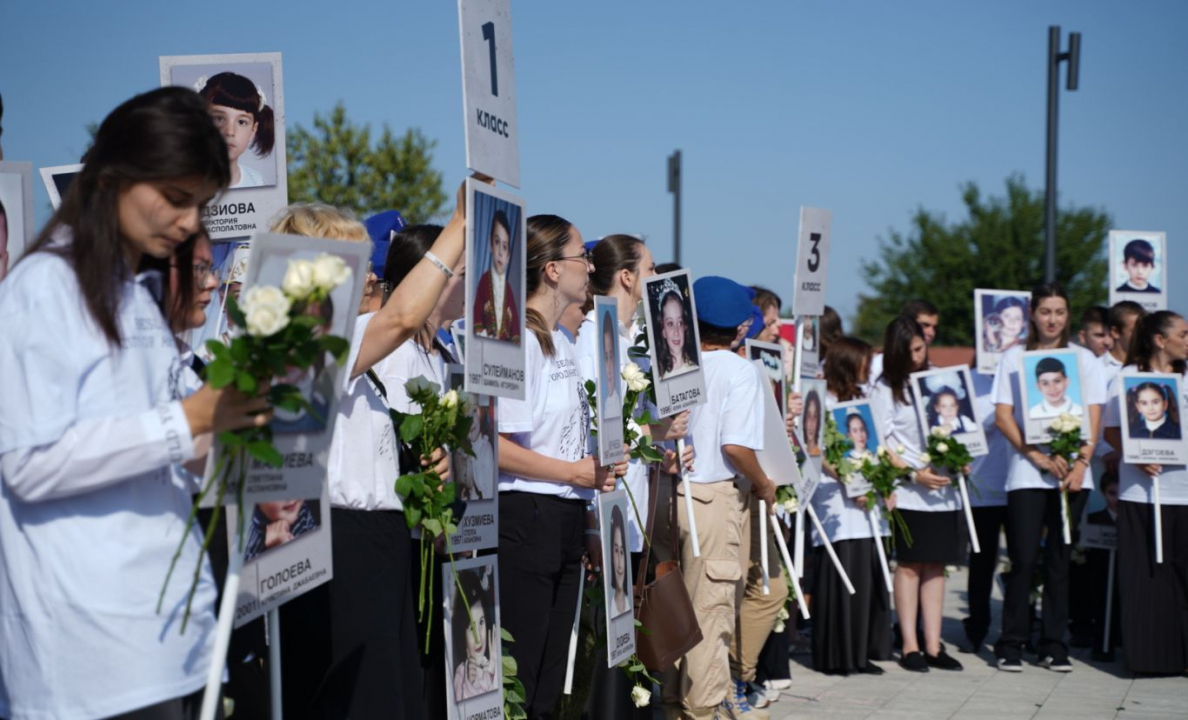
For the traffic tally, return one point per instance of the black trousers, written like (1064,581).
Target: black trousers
(182,708)
(989,522)
(1154,595)
(541,540)
(1029,512)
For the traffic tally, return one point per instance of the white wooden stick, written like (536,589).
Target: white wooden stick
(573,635)
(763,546)
(688,499)
(1105,643)
(1065,521)
(218,660)
(1158,520)
(973,531)
(873,514)
(790,569)
(798,540)
(797,366)
(274,663)
(829,549)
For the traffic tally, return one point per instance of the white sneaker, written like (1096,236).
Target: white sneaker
(784,684)
(759,697)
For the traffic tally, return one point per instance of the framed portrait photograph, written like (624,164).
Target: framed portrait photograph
(1051,385)
(496,242)
(476,477)
(613,509)
(1138,268)
(788,343)
(609,381)
(473,646)
(16,212)
(812,418)
(57,181)
(286,554)
(246,98)
(1099,525)
(673,342)
(1152,431)
(1002,319)
(771,357)
(945,399)
(810,346)
(855,420)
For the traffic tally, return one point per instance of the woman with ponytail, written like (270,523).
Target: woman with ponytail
(547,480)
(1153,595)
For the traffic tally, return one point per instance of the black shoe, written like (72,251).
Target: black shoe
(914,662)
(943,661)
(871,669)
(1057,663)
(1010,664)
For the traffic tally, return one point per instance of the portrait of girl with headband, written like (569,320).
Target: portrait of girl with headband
(244,119)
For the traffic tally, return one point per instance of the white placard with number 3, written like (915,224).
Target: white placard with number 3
(812,254)
(489,89)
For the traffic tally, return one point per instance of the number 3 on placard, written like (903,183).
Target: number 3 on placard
(814,260)
(489,36)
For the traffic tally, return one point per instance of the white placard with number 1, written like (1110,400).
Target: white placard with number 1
(812,255)
(489,89)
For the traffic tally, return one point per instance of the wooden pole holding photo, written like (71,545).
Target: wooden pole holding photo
(1109,609)
(1158,519)
(573,634)
(963,486)
(763,547)
(211,697)
(688,500)
(789,568)
(829,549)
(797,365)
(873,515)
(274,665)
(1066,522)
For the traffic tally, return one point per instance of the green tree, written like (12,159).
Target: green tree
(336,163)
(999,245)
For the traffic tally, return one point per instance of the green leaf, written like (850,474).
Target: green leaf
(233,311)
(339,347)
(246,383)
(410,427)
(220,373)
(413,515)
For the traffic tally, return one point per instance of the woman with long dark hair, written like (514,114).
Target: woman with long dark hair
(1034,480)
(928,503)
(91,429)
(1153,595)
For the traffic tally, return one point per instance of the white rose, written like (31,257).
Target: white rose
(900,449)
(881,451)
(636,379)
(940,432)
(329,271)
(419,383)
(942,448)
(450,399)
(791,505)
(299,279)
(783,613)
(847,478)
(266,310)
(1056,425)
(925,458)
(779,626)
(634,427)
(641,696)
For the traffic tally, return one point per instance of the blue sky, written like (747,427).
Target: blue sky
(870,109)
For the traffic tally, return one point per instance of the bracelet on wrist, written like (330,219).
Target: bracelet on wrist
(440,265)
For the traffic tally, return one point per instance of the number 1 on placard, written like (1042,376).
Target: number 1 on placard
(814,261)
(489,36)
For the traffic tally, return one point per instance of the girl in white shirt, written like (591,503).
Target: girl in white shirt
(928,502)
(244,118)
(547,480)
(1153,595)
(1033,481)
(92,508)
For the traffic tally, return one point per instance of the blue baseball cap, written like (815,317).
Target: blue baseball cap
(721,302)
(756,323)
(381,227)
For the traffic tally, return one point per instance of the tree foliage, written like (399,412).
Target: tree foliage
(337,163)
(999,245)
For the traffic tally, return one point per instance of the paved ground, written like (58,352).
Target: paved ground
(1092,690)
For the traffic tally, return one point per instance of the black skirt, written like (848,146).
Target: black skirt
(849,630)
(936,537)
(1154,596)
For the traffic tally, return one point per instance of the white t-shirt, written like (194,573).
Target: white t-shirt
(1134,485)
(900,425)
(987,477)
(249,177)
(1111,366)
(840,515)
(1022,475)
(363,467)
(731,415)
(93,507)
(409,361)
(553,419)
(636,478)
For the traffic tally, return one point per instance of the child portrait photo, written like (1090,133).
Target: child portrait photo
(1138,268)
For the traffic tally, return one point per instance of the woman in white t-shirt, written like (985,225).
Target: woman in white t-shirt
(1033,482)
(927,502)
(91,432)
(849,631)
(1153,595)
(547,481)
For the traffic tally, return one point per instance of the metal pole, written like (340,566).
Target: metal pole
(674,187)
(1050,182)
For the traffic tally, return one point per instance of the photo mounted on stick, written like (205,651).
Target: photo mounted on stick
(473,655)
(1051,381)
(855,420)
(1138,268)
(613,509)
(610,381)
(57,181)
(496,233)
(944,399)
(245,96)
(16,212)
(674,342)
(812,418)
(1099,526)
(1152,429)
(810,346)
(771,356)
(788,343)
(475,477)
(1002,322)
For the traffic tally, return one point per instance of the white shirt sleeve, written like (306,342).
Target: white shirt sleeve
(93,454)
(1094,378)
(1002,391)
(742,411)
(1111,416)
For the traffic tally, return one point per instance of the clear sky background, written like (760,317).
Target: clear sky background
(870,109)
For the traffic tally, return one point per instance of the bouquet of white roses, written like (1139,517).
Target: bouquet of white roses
(1066,443)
